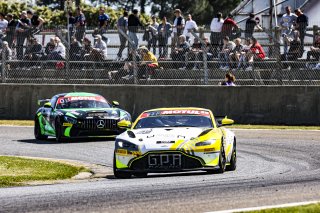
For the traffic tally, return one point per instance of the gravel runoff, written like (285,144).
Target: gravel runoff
(274,167)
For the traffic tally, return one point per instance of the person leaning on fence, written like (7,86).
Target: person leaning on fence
(148,63)
(10,30)
(164,32)
(235,54)
(294,50)
(36,22)
(287,22)
(301,25)
(21,33)
(122,24)
(251,23)
(229,80)
(215,36)
(255,53)
(223,55)
(80,23)
(181,53)
(178,26)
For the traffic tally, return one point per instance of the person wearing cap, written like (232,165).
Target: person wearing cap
(164,32)
(22,30)
(80,23)
(148,63)
(178,25)
(122,24)
(190,25)
(153,34)
(229,26)
(99,51)
(10,30)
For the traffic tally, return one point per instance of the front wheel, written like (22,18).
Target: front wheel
(119,174)
(222,160)
(37,131)
(233,161)
(58,129)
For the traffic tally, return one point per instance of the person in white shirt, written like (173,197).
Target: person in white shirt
(59,52)
(216,37)
(100,48)
(3,26)
(190,25)
(287,22)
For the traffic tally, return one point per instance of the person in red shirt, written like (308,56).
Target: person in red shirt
(256,51)
(229,27)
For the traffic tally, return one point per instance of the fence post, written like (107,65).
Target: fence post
(278,53)
(3,65)
(205,59)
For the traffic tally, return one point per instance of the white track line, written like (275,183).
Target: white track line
(267,207)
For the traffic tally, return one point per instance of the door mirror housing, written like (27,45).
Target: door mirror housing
(115,103)
(47,105)
(124,124)
(226,122)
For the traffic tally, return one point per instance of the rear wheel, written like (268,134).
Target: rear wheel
(37,131)
(59,133)
(233,161)
(141,174)
(119,174)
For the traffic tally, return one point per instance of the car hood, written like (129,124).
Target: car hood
(161,138)
(84,113)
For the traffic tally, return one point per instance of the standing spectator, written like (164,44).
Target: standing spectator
(133,27)
(190,25)
(11,29)
(255,52)
(229,80)
(22,29)
(153,34)
(3,27)
(223,56)
(216,37)
(235,54)
(229,27)
(251,23)
(164,32)
(315,49)
(59,52)
(294,50)
(80,23)
(71,26)
(178,25)
(287,22)
(301,26)
(103,23)
(36,22)
(122,24)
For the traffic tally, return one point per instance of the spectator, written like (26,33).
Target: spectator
(229,27)
(178,25)
(34,50)
(100,49)
(22,32)
(255,53)
(153,34)
(301,26)
(6,54)
(10,31)
(315,49)
(243,54)
(216,37)
(287,22)
(223,55)
(294,50)
(80,23)
(190,25)
(59,51)
(251,23)
(75,50)
(235,54)
(197,51)
(164,32)
(180,53)
(103,20)
(122,24)
(49,48)
(86,48)
(148,63)
(3,27)
(36,22)
(71,25)
(133,26)
(229,80)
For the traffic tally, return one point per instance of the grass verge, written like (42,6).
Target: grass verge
(17,122)
(312,208)
(17,171)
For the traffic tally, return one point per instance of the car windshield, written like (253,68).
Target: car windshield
(75,102)
(174,121)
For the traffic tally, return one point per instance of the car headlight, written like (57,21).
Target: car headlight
(126,117)
(126,145)
(70,120)
(206,143)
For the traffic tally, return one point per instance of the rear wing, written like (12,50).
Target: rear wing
(42,102)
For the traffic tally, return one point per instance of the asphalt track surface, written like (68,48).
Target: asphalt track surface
(274,167)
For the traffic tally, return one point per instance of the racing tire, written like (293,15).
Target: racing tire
(58,130)
(233,160)
(222,159)
(37,131)
(141,174)
(119,174)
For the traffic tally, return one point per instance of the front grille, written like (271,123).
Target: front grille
(99,124)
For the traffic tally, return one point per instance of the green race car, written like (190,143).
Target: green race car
(79,115)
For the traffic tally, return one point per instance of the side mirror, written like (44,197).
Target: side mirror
(47,105)
(115,103)
(226,121)
(124,124)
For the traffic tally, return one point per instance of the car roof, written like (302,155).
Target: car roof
(77,94)
(178,108)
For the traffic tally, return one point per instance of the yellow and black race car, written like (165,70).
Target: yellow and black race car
(175,140)
(79,115)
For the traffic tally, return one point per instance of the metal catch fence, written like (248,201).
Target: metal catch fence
(198,62)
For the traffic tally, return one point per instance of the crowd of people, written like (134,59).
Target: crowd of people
(226,43)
